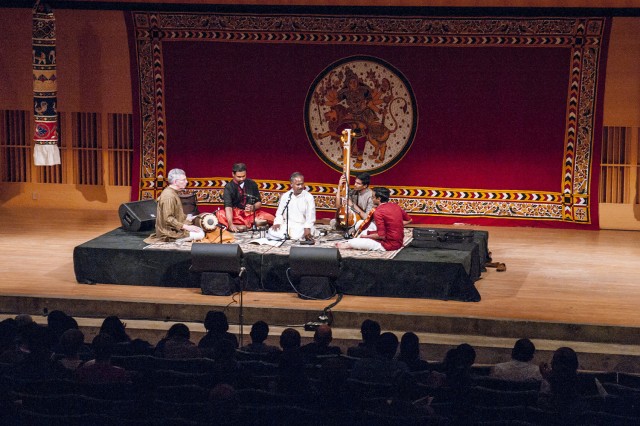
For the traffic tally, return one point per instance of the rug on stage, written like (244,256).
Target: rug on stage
(244,240)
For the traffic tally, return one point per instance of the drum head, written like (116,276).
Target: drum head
(207,221)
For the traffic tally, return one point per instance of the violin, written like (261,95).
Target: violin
(365,223)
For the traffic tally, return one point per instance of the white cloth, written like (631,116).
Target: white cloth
(365,244)
(46,155)
(301,214)
(517,371)
(193,236)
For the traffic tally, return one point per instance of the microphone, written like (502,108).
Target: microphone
(288,200)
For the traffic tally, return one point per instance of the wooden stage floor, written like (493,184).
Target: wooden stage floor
(570,277)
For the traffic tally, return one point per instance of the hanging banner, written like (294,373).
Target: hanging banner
(46,151)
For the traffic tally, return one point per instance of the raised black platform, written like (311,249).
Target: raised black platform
(442,271)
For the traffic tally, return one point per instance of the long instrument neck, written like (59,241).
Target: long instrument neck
(346,160)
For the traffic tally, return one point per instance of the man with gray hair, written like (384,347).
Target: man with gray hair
(171,222)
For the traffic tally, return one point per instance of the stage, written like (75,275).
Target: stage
(441,270)
(561,288)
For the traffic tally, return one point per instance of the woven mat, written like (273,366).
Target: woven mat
(244,240)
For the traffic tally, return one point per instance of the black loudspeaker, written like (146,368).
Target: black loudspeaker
(317,269)
(315,262)
(220,265)
(138,215)
(207,257)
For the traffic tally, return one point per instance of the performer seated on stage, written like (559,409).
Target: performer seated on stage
(360,197)
(241,202)
(171,222)
(296,213)
(386,231)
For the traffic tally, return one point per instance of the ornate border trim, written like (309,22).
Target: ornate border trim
(583,35)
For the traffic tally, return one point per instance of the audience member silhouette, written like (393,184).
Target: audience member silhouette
(8,338)
(457,364)
(176,344)
(18,350)
(292,378)
(410,352)
(115,328)
(322,337)
(23,320)
(217,328)
(124,345)
(37,363)
(520,368)
(259,333)
(370,331)
(99,369)
(226,368)
(383,368)
(57,323)
(71,342)
(559,390)
(290,340)
(29,345)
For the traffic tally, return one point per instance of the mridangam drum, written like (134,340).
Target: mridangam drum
(207,221)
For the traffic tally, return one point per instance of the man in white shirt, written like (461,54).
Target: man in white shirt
(296,212)
(520,368)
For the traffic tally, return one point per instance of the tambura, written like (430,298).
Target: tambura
(207,221)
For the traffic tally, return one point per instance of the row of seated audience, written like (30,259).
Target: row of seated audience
(417,389)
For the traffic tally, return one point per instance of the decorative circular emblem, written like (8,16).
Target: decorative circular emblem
(374,100)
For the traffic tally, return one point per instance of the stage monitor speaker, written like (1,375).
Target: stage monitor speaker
(219,265)
(138,215)
(207,257)
(315,262)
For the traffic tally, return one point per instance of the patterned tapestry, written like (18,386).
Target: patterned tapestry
(45,87)
(474,120)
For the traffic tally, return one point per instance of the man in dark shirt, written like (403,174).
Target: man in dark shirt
(242,202)
(387,230)
(320,345)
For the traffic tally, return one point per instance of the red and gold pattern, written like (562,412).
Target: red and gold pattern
(583,36)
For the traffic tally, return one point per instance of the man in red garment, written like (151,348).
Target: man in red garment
(387,230)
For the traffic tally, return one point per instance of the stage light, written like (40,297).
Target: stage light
(220,266)
(315,271)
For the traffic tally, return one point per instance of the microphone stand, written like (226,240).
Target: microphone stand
(221,227)
(241,278)
(286,208)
